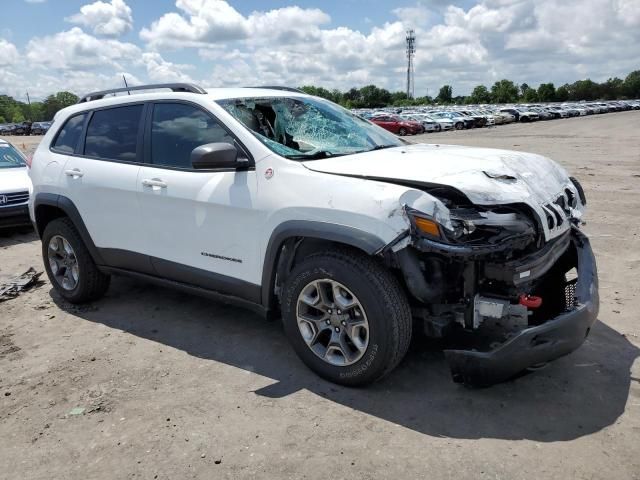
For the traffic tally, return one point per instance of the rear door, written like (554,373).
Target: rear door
(201,225)
(100,178)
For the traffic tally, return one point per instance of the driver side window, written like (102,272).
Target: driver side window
(176,129)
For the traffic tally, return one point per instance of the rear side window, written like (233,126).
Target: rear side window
(69,135)
(112,134)
(177,129)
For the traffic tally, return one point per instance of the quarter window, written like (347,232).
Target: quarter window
(177,129)
(112,134)
(67,139)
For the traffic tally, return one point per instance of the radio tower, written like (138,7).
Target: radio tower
(411,50)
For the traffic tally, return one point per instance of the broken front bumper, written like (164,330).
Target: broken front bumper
(540,344)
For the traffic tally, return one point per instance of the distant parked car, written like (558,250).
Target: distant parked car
(23,128)
(442,124)
(459,122)
(428,124)
(479,119)
(40,128)
(15,187)
(397,125)
(543,114)
(522,114)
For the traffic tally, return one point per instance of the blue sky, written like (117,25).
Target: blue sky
(81,45)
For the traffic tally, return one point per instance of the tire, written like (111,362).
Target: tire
(438,128)
(91,283)
(459,126)
(402,132)
(383,303)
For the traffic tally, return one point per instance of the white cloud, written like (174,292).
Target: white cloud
(205,22)
(208,21)
(76,50)
(523,40)
(108,19)
(160,70)
(628,12)
(412,16)
(8,53)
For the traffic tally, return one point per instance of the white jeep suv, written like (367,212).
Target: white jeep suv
(293,206)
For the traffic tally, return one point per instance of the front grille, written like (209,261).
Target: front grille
(570,294)
(557,212)
(16,198)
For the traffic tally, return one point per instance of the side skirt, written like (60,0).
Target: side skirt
(194,290)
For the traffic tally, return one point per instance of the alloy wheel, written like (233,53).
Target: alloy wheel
(63,262)
(332,322)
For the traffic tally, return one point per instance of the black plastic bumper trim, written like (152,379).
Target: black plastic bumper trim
(535,345)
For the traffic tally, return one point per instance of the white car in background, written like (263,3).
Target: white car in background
(15,187)
(429,124)
(443,123)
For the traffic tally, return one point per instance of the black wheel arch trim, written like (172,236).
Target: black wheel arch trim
(344,234)
(68,207)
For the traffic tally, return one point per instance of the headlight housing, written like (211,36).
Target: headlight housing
(473,227)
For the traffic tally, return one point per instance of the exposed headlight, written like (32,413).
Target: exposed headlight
(457,231)
(471,227)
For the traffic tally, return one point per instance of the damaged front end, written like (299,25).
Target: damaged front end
(492,281)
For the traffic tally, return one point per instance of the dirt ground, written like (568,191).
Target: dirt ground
(174,386)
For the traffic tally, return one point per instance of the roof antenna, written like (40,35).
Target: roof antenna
(125,84)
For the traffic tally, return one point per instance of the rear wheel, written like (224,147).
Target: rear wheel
(69,265)
(459,125)
(438,128)
(346,317)
(402,132)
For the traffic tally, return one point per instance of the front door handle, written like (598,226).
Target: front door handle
(154,182)
(74,173)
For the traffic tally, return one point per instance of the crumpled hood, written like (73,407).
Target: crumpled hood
(14,180)
(486,176)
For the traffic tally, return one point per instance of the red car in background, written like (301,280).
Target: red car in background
(398,125)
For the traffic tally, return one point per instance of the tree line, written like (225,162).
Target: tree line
(503,91)
(15,111)
(371,96)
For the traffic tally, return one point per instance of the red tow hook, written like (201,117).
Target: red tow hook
(530,301)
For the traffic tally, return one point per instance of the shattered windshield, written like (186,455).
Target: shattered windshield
(305,128)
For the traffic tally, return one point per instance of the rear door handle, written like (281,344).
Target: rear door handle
(154,182)
(75,173)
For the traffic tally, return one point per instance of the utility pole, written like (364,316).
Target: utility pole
(29,103)
(411,50)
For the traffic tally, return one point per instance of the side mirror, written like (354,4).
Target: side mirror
(214,155)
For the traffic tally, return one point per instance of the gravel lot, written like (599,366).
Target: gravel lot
(175,386)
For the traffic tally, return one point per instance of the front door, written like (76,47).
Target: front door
(201,225)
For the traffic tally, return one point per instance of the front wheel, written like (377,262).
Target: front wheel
(438,128)
(402,132)
(346,316)
(459,126)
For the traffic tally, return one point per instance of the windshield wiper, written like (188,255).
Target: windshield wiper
(382,147)
(315,156)
(377,147)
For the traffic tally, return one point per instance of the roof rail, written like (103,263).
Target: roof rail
(278,87)
(175,87)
